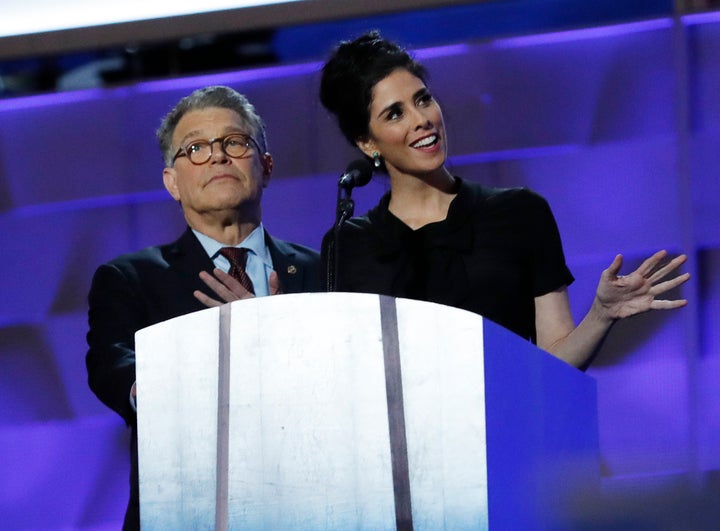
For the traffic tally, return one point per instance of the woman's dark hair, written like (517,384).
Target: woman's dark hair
(350,74)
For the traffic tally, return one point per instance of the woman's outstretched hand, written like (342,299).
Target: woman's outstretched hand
(620,296)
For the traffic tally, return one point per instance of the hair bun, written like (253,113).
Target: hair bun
(350,74)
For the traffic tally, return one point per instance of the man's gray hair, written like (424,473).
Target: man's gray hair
(214,96)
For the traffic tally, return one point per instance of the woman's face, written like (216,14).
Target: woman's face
(406,126)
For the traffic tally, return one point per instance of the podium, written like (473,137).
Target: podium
(357,411)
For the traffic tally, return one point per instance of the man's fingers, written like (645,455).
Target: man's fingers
(217,286)
(274,284)
(231,285)
(207,301)
(226,287)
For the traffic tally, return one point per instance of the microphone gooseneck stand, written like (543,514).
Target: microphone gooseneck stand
(358,173)
(344,211)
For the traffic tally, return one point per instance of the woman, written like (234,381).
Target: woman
(436,237)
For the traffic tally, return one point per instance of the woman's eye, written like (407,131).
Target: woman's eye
(425,99)
(394,114)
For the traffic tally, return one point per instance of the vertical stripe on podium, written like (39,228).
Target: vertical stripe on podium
(396,414)
(223,421)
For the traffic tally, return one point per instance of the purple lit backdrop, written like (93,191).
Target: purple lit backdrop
(592,122)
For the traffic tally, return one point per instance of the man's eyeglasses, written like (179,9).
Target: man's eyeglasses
(234,145)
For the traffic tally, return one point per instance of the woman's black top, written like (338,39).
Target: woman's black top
(495,252)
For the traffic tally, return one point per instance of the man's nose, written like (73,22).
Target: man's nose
(217,151)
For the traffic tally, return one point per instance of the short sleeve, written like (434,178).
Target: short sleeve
(549,268)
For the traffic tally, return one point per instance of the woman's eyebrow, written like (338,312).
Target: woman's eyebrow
(393,106)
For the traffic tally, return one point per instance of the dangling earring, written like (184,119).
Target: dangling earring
(376,159)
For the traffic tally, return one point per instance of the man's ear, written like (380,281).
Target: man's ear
(267,165)
(367,146)
(170,182)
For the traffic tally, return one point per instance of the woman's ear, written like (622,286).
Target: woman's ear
(367,146)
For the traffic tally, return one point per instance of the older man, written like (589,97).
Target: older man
(217,165)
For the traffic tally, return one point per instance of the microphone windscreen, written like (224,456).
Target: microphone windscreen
(362,170)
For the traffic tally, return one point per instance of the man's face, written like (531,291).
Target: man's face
(222,183)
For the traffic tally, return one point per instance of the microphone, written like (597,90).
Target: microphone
(357,173)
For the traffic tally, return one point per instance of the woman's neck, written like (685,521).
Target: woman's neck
(418,201)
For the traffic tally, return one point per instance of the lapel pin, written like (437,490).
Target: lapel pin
(292,269)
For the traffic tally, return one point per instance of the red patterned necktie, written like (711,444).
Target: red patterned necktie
(238,258)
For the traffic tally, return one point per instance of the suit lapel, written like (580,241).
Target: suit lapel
(187,258)
(187,255)
(290,271)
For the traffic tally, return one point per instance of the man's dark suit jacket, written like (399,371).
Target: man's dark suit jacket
(140,289)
